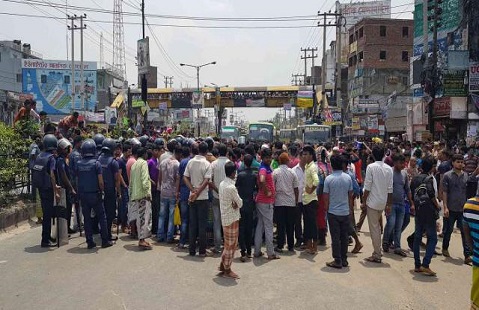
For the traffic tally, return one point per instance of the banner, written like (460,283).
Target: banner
(163,106)
(255,103)
(181,100)
(143,55)
(331,117)
(287,106)
(197,100)
(305,99)
(453,84)
(373,124)
(474,77)
(355,124)
(111,116)
(50,83)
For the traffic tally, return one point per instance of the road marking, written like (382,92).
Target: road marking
(3,261)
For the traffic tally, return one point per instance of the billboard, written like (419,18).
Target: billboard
(49,81)
(355,11)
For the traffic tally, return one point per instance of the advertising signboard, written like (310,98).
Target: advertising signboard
(50,83)
(355,11)
(143,55)
(474,77)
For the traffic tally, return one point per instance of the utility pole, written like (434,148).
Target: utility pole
(168,81)
(74,27)
(330,19)
(312,56)
(144,82)
(341,22)
(436,10)
(82,80)
(296,79)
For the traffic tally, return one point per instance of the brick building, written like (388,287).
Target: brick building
(378,74)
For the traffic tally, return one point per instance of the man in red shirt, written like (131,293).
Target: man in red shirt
(68,122)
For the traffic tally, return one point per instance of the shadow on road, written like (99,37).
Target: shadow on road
(307,256)
(375,265)
(189,258)
(422,278)
(224,281)
(133,248)
(455,261)
(82,250)
(334,270)
(37,249)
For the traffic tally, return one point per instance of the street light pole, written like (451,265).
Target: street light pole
(198,85)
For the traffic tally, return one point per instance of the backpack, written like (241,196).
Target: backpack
(422,200)
(421,195)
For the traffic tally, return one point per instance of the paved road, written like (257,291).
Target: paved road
(120,277)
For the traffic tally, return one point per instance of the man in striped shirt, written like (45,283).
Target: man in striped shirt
(471,233)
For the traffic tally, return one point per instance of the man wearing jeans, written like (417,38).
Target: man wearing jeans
(425,216)
(395,219)
(184,193)
(264,207)
(218,174)
(378,189)
(454,184)
(338,200)
(169,182)
(197,177)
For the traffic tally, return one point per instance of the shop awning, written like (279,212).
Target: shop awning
(118,101)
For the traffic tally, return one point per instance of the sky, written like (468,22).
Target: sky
(245,57)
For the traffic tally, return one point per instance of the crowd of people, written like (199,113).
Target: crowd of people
(289,197)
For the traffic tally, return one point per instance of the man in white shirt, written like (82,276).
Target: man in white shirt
(378,189)
(197,176)
(230,204)
(298,227)
(218,175)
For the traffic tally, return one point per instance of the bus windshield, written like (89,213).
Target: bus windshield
(230,132)
(317,134)
(261,132)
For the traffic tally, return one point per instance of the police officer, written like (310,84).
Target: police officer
(75,156)
(90,190)
(43,175)
(98,138)
(111,179)
(64,178)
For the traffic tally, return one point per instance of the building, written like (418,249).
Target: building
(11,96)
(109,84)
(378,74)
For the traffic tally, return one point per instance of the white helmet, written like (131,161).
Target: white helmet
(64,143)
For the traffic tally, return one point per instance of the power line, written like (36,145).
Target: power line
(181,17)
(180,26)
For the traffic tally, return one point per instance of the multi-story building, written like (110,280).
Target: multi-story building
(378,74)
(11,97)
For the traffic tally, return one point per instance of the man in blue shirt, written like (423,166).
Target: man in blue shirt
(338,199)
(184,193)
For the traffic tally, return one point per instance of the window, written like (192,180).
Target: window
(361,56)
(405,81)
(19,77)
(405,56)
(405,32)
(382,31)
(351,61)
(351,39)
(382,55)
(355,59)
(66,79)
(361,32)
(43,78)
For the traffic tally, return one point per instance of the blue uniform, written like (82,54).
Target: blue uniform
(43,166)
(109,168)
(87,171)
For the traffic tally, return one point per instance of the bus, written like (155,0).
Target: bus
(230,132)
(287,135)
(261,132)
(314,133)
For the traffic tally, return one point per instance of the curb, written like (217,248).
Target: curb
(15,214)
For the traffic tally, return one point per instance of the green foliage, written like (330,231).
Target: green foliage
(27,128)
(13,162)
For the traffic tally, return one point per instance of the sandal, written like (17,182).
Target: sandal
(373,260)
(335,265)
(145,247)
(357,248)
(230,274)
(273,257)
